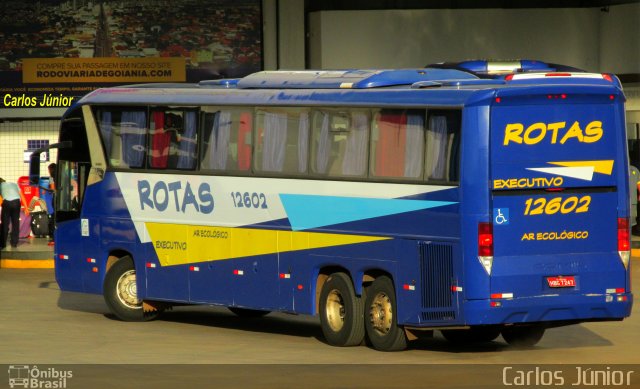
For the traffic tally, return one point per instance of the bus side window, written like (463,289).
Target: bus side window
(173,139)
(227,141)
(187,151)
(354,160)
(282,141)
(321,143)
(389,142)
(271,142)
(217,127)
(398,144)
(340,143)
(244,141)
(132,135)
(160,140)
(414,149)
(123,134)
(443,143)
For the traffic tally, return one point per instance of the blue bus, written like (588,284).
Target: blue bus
(472,198)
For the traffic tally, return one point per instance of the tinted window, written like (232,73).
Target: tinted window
(227,140)
(282,141)
(123,134)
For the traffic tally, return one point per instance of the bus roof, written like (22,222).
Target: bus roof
(408,87)
(498,68)
(350,79)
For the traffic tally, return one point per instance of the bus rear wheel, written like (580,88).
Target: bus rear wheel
(381,317)
(523,336)
(341,312)
(121,294)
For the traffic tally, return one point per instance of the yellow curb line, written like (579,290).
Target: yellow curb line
(26,263)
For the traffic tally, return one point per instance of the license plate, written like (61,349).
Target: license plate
(561,282)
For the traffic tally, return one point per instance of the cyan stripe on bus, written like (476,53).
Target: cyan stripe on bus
(429,224)
(312,211)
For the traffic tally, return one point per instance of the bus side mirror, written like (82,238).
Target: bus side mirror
(34,160)
(34,168)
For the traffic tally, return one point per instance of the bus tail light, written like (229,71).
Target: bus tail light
(624,244)
(485,246)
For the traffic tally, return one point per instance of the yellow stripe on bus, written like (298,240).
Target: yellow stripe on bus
(182,244)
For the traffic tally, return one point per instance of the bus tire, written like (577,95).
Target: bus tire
(523,336)
(120,292)
(246,312)
(341,312)
(381,325)
(472,335)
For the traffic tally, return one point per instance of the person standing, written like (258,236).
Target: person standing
(12,198)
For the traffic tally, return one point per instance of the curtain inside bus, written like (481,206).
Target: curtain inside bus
(132,134)
(160,140)
(123,134)
(354,160)
(215,156)
(187,151)
(227,140)
(303,142)
(274,140)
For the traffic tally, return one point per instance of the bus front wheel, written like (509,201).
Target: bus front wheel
(341,312)
(523,336)
(120,292)
(381,317)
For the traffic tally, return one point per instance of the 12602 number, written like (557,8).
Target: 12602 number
(249,200)
(558,204)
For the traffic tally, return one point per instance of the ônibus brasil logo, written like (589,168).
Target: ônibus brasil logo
(25,376)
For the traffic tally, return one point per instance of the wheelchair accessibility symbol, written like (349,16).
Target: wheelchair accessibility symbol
(501,216)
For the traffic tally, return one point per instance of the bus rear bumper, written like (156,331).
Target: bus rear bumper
(574,308)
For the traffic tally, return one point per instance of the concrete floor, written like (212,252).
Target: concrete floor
(30,253)
(197,346)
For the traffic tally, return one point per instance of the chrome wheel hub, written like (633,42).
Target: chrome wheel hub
(127,291)
(381,313)
(335,311)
